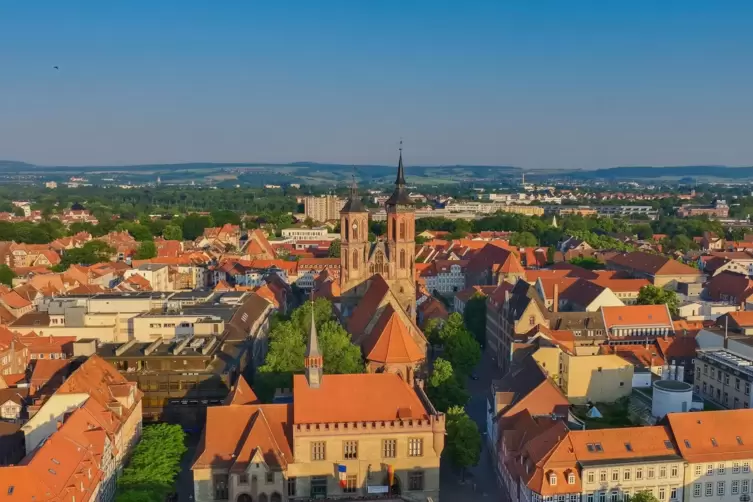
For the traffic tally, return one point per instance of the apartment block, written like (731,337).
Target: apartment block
(724,377)
(323,207)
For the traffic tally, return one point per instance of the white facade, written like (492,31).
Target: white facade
(671,396)
(447,282)
(318,233)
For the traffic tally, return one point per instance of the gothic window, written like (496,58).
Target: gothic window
(379,262)
(394,231)
(355,259)
(402,258)
(346,260)
(402,230)
(347,229)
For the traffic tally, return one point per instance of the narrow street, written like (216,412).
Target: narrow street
(481,477)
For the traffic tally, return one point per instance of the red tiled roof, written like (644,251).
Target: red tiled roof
(241,393)
(362,314)
(379,397)
(390,341)
(636,315)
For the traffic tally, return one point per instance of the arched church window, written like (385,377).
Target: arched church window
(379,259)
(347,229)
(355,259)
(402,258)
(402,230)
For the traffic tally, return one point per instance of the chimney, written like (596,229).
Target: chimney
(556,298)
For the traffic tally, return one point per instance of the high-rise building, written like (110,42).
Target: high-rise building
(322,208)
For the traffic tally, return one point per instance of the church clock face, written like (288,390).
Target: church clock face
(355,226)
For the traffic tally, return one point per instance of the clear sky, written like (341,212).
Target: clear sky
(536,84)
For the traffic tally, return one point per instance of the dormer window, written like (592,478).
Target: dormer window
(571,479)
(553,479)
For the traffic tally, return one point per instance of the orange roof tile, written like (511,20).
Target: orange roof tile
(636,315)
(645,442)
(380,396)
(14,300)
(241,393)
(707,436)
(391,342)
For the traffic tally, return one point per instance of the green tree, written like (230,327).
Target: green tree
(474,317)
(523,240)
(643,496)
(19,211)
(173,233)
(146,251)
(651,295)
(154,466)
(452,327)
(643,231)
(137,230)
(431,330)
(90,253)
(287,346)
(6,275)
(194,225)
(463,351)
(222,217)
(334,249)
(587,262)
(444,388)
(463,447)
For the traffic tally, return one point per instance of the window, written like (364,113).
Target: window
(662,493)
(697,490)
(735,467)
(350,450)
(687,444)
(735,487)
(744,486)
(318,487)
(613,496)
(626,475)
(415,447)
(650,473)
(402,258)
(590,477)
(571,479)
(698,469)
(720,487)
(662,472)
(639,473)
(220,483)
(351,484)
(709,489)
(270,477)
(602,496)
(737,384)
(746,467)
(628,447)
(720,468)
(355,260)
(673,471)
(318,450)
(747,388)
(291,487)
(243,479)
(531,320)
(714,443)
(590,497)
(602,476)
(389,448)
(710,470)
(615,475)
(553,479)
(416,480)
(673,494)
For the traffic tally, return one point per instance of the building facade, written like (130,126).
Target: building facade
(323,207)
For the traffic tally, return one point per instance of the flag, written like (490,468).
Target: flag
(341,470)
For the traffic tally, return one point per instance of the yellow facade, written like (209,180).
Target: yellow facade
(597,378)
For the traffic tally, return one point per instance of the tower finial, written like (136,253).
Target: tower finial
(313,361)
(400,181)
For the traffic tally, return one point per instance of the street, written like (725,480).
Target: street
(482,476)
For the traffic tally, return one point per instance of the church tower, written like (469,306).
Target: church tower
(354,242)
(401,245)
(313,362)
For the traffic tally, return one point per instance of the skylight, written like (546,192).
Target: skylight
(10,489)
(713,442)
(628,447)
(590,447)
(739,440)
(668,444)
(687,444)
(598,448)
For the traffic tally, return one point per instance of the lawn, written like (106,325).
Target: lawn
(614,415)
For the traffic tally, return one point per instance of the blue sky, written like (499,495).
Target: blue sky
(537,84)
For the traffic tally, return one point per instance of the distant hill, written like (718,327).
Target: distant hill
(678,172)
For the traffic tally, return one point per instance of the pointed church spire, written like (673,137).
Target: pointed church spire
(313,358)
(400,181)
(354,203)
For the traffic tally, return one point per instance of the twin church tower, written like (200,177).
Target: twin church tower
(392,257)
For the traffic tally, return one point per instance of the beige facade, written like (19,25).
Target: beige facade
(157,275)
(595,378)
(150,327)
(323,207)
(413,451)
(604,482)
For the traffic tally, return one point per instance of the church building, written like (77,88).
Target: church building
(378,283)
